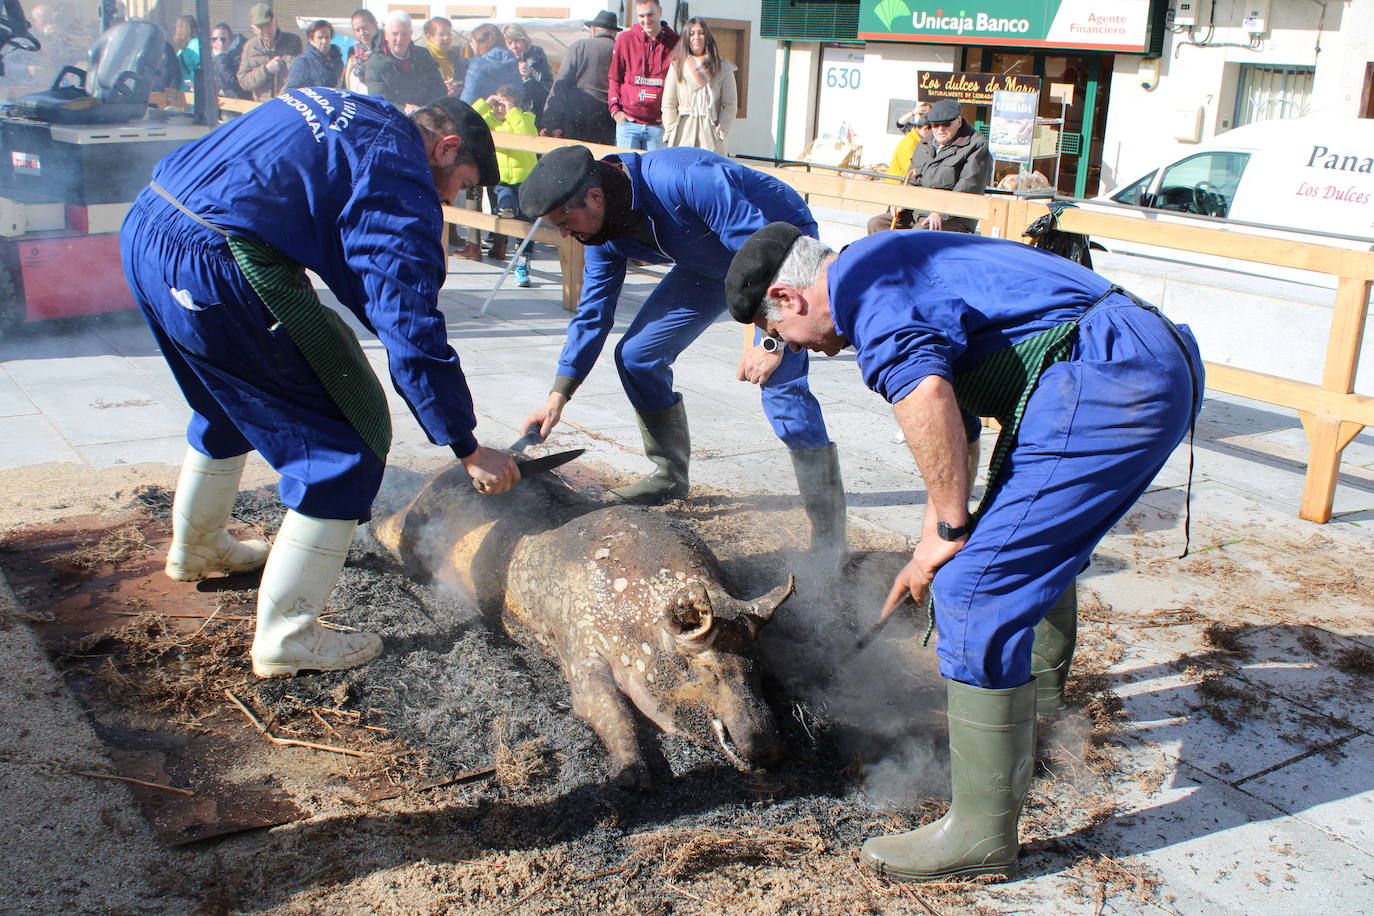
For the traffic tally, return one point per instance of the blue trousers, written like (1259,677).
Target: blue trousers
(246,382)
(630,135)
(1095,433)
(676,313)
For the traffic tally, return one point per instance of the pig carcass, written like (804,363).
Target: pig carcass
(629,602)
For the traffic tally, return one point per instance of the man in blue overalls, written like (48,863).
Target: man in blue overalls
(693,209)
(213,250)
(1094,389)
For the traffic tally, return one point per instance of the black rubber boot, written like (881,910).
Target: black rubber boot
(991,757)
(822,493)
(1055,638)
(668,445)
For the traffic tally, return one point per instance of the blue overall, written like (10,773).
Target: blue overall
(700,208)
(340,184)
(1095,432)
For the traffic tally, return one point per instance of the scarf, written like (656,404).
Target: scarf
(443,60)
(695,72)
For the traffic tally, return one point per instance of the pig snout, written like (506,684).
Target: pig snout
(748,739)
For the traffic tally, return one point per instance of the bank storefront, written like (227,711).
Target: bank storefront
(863,63)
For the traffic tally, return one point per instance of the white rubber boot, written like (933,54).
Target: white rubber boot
(204,498)
(306,560)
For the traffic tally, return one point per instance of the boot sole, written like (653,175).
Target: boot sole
(272,670)
(180,574)
(1007,872)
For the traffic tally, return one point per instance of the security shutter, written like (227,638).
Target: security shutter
(1267,93)
(810,20)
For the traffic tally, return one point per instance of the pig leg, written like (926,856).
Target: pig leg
(597,700)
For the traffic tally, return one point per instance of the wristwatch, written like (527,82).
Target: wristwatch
(770,343)
(948,532)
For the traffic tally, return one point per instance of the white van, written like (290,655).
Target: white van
(1308,179)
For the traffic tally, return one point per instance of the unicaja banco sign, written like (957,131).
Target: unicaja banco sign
(1104,25)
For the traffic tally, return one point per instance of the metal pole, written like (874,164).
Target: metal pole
(524,243)
(780,132)
(206,100)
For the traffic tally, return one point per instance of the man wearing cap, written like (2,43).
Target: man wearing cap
(1094,389)
(576,107)
(267,56)
(954,157)
(693,209)
(214,252)
(916,128)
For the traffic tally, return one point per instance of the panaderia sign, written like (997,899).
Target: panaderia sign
(1086,25)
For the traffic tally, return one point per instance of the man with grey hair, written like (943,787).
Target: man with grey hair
(1093,387)
(404,77)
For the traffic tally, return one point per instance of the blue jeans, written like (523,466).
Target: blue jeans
(631,135)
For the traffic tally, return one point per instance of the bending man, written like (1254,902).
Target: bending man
(213,251)
(693,209)
(1094,389)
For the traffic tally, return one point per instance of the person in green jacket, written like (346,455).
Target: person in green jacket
(502,112)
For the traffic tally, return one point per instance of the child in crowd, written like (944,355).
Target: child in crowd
(502,112)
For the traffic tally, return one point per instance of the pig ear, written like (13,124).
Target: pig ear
(759,612)
(691,612)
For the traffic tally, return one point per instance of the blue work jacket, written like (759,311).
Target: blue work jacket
(339,183)
(916,303)
(699,208)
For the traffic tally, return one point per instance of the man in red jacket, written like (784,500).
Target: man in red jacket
(638,65)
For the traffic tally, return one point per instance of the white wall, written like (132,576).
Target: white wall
(1142,124)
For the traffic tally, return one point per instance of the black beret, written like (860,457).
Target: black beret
(554,179)
(943,111)
(476,137)
(754,267)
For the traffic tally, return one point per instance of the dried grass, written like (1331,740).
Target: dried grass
(1356,660)
(520,768)
(115,548)
(686,850)
(1100,877)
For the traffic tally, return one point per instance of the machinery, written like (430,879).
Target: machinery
(72,159)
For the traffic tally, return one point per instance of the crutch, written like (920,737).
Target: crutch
(510,265)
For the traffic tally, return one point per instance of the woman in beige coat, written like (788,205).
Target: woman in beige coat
(699,96)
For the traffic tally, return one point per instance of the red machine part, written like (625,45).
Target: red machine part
(68,275)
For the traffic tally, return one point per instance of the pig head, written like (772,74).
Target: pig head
(629,602)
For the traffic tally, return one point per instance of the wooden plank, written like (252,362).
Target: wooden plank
(1347,333)
(1323,467)
(572,257)
(1283,392)
(1206,240)
(488,222)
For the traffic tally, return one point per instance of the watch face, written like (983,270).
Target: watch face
(771,344)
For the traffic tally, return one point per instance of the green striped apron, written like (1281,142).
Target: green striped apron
(328,344)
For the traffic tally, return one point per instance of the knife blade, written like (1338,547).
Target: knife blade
(529,466)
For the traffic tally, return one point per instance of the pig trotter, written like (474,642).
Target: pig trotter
(598,701)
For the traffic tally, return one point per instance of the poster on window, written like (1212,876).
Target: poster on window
(1011,130)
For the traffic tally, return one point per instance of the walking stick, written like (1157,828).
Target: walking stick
(524,243)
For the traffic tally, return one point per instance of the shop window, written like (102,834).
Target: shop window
(1266,93)
(732,43)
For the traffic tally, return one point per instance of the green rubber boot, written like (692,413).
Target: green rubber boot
(991,757)
(822,493)
(669,446)
(1055,637)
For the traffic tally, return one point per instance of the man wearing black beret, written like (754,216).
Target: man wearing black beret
(1093,387)
(692,209)
(214,249)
